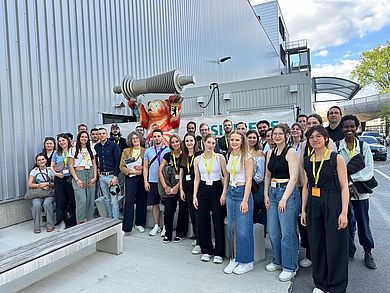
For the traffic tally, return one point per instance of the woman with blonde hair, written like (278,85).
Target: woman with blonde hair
(239,204)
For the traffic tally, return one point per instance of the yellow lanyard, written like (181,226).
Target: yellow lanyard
(174,162)
(351,153)
(226,141)
(208,168)
(136,153)
(65,158)
(190,164)
(233,165)
(317,176)
(309,152)
(86,156)
(202,145)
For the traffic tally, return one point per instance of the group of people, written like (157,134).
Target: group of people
(306,178)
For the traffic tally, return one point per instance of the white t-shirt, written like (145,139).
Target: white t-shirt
(83,158)
(41,176)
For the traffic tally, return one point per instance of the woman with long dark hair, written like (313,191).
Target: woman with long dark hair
(48,149)
(187,176)
(65,200)
(324,211)
(82,166)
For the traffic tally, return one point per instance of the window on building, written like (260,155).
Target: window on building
(114,118)
(282,55)
(282,30)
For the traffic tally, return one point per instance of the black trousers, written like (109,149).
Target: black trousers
(193,212)
(209,201)
(135,192)
(65,201)
(303,234)
(329,246)
(359,215)
(170,204)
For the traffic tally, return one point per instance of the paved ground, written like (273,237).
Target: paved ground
(362,279)
(146,265)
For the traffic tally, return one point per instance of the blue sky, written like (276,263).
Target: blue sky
(337,31)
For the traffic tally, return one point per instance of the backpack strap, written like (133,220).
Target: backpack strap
(361,146)
(337,143)
(333,165)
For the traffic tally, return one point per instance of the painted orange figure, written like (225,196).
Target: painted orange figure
(162,114)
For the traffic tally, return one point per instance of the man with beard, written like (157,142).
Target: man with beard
(116,136)
(334,129)
(223,142)
(94,137)
(262,127)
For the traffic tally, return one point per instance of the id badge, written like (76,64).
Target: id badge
(315,191)
(209,182)
(65,171)
(87,167)
(273,184)
(188,177)
(177,177)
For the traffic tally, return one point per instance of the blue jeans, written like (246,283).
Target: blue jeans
(111,200)
(282,228)
(243,224)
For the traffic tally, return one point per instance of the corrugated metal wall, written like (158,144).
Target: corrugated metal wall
(60,59)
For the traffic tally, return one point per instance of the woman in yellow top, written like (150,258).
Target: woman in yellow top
(131,166)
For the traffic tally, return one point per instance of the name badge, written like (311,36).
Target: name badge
(65,171)
(188,177)
(209,182)
(177,177)
(315,191)
(273,184)
(87,167)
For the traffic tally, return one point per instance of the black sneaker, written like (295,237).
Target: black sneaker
(369,261)
(178,239)
(166,240)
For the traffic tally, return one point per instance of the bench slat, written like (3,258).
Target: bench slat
(36,249)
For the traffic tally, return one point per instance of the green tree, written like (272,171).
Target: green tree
(384,114)
(374,68)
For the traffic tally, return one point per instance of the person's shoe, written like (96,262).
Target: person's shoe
(162,231)
(37,230)
(305,263)
(140,229)
(217,259)
(205,257)
(62,226)
(178,239)
(316,290)
(124,234)
(193,242)
(243,268)
(156,229)
(271,267)
(166,240)
(231,266)
(369,261)
(351,259)
(49,229)
(285,276)
(196,250)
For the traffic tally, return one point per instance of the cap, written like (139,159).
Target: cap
(114,125)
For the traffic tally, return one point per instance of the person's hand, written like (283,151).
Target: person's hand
(175,189)
(147,186)
(282,205)
(91,182)
(114,181)
(59,175)
(342,221)
(167,190)
(266,201)
(195,202)
(353,191)
(222,200)
(244,207)
(303,219)
(80,184)
(182,195)
(138,172)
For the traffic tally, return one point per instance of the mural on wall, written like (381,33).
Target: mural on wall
(162,114)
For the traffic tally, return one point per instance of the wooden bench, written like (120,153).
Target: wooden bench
(106,233)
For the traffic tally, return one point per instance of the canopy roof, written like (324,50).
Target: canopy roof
(335,85)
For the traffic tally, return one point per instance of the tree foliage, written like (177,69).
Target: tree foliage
(384,114)
(374,68)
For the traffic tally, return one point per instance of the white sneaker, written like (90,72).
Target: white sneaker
(316,290)
(305,263)
(196,250)
(243,268)
(286,276)
(156,229)
(62,226)
(162,231)
(271,267)
(205,257)
(217,259)
(124,234)
(193,242)
(231,266)
(140,229)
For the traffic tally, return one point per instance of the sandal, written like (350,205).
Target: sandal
(49,229)
(37,230)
